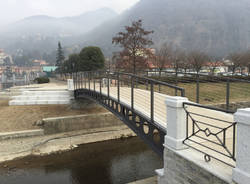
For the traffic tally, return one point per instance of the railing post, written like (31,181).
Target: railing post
(94,84)
(152,100)
(197,88)
(89,79)
(108,84)
(81,81)
(132,93)
(118,87)
(176,122)
(74,81)
(101,86)
(241,173)
(176,83)
(228,94)
(85,80)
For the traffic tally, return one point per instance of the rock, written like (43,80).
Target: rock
(38,123)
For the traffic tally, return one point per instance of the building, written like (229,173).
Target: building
(39,62)
(5,59)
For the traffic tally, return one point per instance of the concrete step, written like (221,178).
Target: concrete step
(21,134)
(45,93)
(39,102)
(42,97)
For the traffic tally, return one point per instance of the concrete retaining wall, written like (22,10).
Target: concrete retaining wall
(80,122)
(179,170)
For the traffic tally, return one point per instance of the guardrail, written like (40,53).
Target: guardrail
(226,92)
(138,101)
(211,131)
(120,81)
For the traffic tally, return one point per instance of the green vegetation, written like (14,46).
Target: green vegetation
(42,80)
(91,58)
(71,65)
(60,58)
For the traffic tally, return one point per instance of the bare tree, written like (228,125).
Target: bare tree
(197,60)
(163,57)
(236,61)
(185,62)
(134,43)
(247,61)
(244,61)
(178,57)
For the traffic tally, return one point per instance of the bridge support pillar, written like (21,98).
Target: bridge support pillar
(241,174)
(176,122)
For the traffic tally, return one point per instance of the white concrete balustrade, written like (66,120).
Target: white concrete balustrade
(241,174)
(176,125)
(175,149)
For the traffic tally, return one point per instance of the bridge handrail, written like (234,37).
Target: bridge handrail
(115,73)
(155,81)
(228,77)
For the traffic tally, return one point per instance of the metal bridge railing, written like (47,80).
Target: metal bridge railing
(140,93)
(138,101)
(226,92)
(212,132)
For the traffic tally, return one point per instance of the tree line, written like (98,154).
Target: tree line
(135,54)
(89,59)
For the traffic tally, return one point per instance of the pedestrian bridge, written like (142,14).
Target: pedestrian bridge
(160,114)
(137,101)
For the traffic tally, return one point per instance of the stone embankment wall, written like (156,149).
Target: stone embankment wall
(80,122)
(179,170)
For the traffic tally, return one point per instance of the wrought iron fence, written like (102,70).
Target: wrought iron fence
(131,88)
(137,101)
(211,131)
(226,92)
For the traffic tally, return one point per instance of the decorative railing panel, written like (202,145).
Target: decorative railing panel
(211,131)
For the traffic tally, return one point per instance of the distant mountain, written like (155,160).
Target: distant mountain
(43,32)
(216,27)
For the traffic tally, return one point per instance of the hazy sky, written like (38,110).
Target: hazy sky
(13,10)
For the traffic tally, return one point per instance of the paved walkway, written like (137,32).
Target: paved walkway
(141,101)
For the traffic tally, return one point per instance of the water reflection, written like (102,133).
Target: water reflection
(111,162)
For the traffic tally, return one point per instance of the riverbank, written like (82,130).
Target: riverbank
(116,161)
(56,143)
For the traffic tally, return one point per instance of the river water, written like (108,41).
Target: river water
(110,162)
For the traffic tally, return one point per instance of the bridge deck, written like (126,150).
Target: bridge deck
(141,101)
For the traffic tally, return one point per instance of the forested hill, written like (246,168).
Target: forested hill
(215,26)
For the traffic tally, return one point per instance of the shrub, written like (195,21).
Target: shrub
(42,80)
